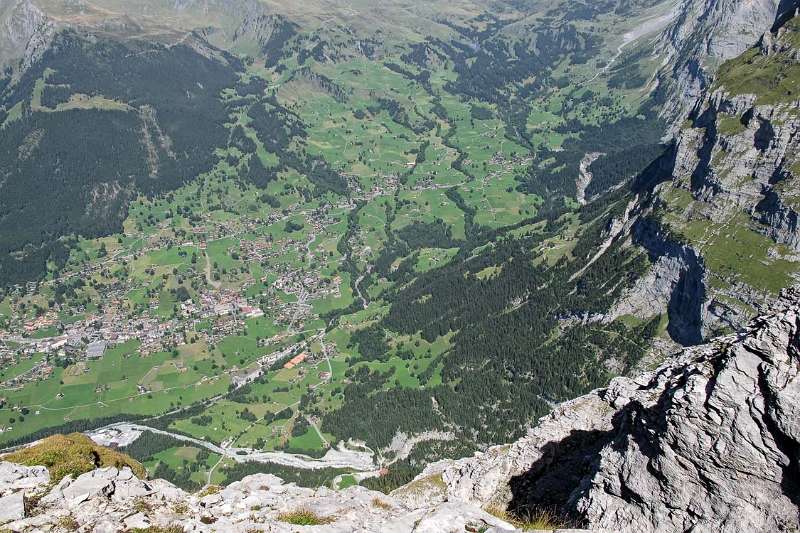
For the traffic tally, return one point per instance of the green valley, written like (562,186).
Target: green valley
(331,243)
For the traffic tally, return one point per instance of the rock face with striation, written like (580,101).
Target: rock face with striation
(703,34)
(710,441)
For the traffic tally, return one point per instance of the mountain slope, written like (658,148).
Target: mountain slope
(26,34)
(734,176)
(702,35)
(716,213)
(91,125)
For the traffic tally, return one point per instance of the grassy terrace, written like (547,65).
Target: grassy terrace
(773,78)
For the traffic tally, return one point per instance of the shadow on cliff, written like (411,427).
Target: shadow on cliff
(688,295)
(786,10)
(564,473)
(686,299)
(550,482)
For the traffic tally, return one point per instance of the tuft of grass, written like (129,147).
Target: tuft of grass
(380,504)
(304,517)
(533,520)
(174,528)
(140,505)
(72,454)
(209,490)
(68,522)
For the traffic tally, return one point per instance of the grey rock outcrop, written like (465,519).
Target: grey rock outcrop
(710,441)
(734,156)
(18,478)
(703,34)
(111,499)
(25,33)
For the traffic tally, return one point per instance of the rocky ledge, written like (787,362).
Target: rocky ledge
(709,441)
(112,499)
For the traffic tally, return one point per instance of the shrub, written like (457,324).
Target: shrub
(304,517)
(533,520)
(211,489)
(69,523)
(175,528)
(380,504)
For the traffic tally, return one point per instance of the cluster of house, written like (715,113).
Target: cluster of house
(39,371)
(221,303)
(44,321)
(223,309)
(308,284)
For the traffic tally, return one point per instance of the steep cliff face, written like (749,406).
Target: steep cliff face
(733,189)
(707,442)
(718,213)
(704,34)
(25,33)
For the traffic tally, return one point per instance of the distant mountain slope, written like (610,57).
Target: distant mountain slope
(702,35)
(25,33)
(91,125)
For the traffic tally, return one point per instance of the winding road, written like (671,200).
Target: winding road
(647,27)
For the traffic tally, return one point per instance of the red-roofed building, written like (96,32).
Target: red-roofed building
(296,360)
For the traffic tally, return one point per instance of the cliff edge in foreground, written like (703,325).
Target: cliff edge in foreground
(710,441)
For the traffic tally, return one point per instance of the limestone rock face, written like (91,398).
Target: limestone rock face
(25,32)
(18,478)
(710,441)
(703,34)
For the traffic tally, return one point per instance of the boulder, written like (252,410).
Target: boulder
(14,477)
(12,507)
